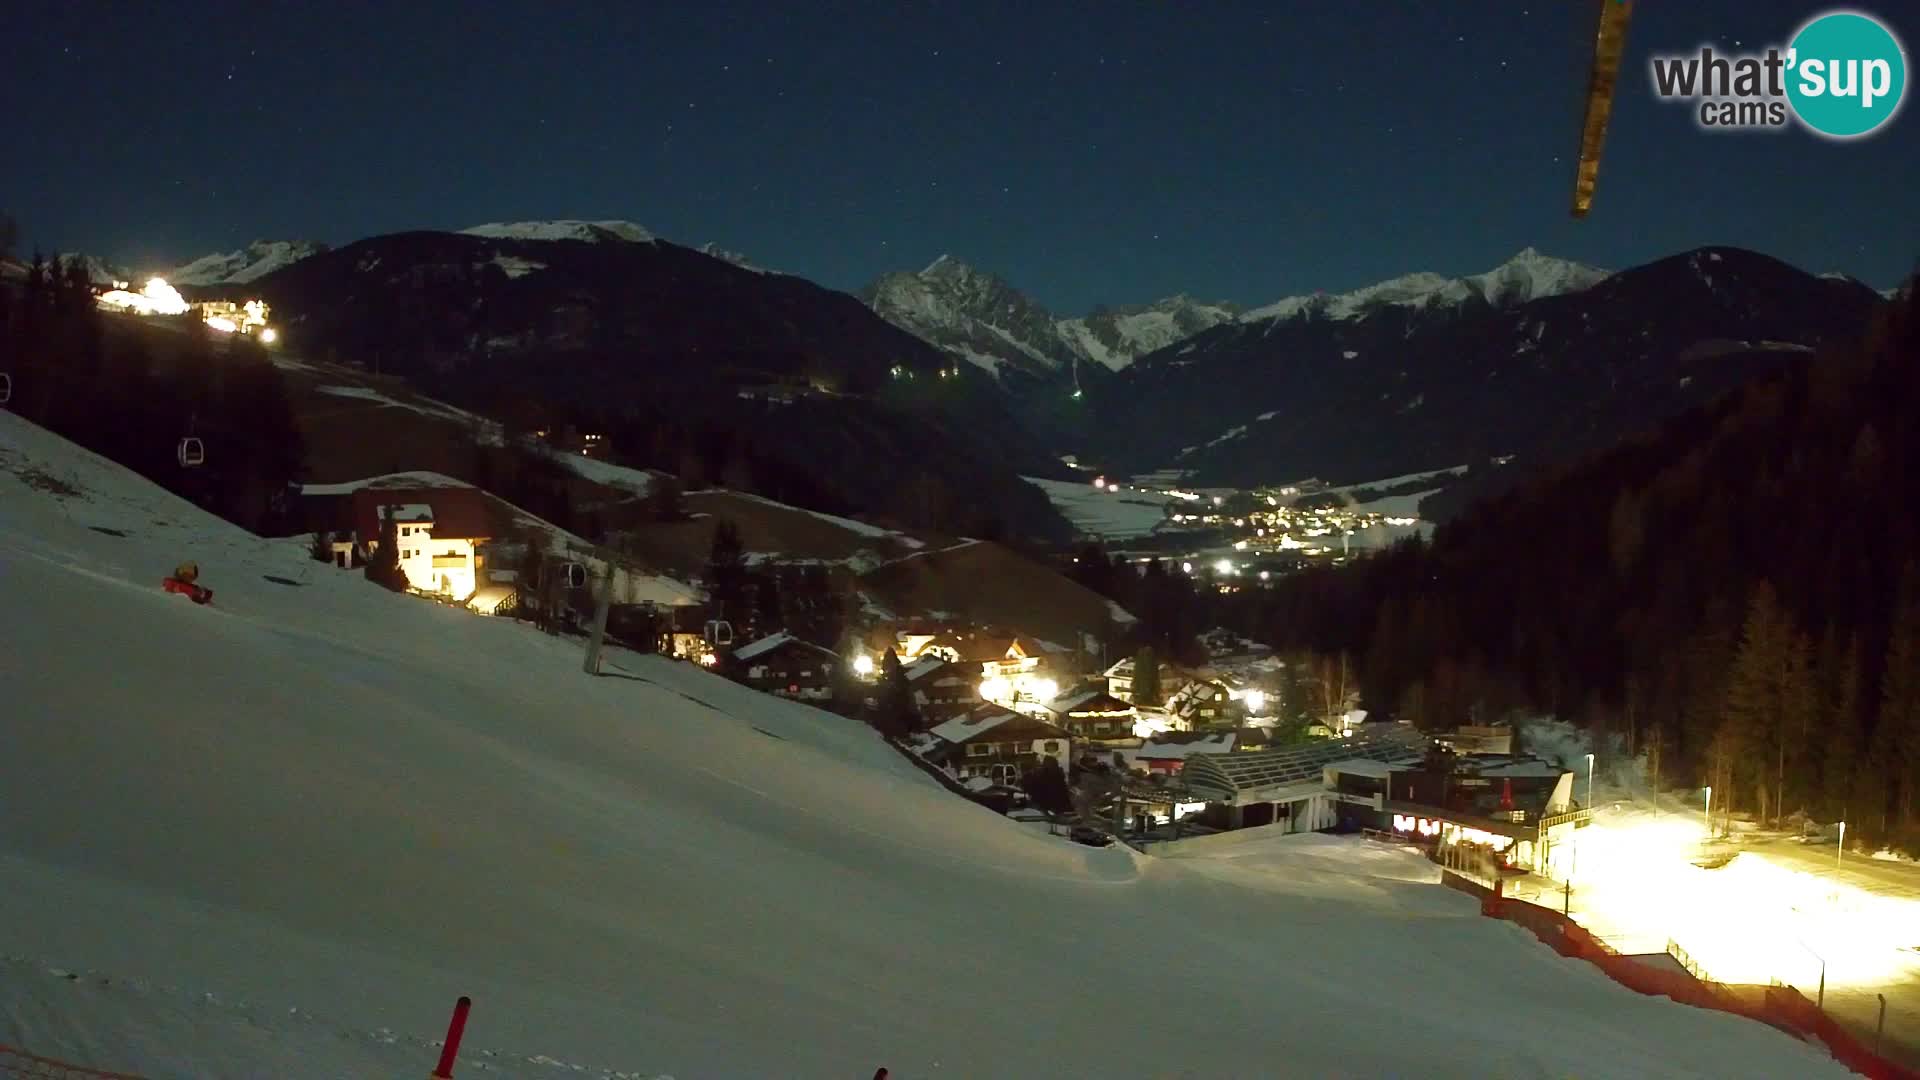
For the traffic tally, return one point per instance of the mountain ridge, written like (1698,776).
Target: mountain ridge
(1411,384)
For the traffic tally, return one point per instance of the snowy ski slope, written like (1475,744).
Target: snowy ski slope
(278,836)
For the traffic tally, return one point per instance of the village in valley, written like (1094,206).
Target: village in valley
(1096,738)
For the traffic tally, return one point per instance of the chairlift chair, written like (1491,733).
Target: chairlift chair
(719,632)
(575,575)
(6,388)
(191,452)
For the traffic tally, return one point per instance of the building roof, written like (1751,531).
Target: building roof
(455,513)
(1181,749)
(922,668)
(991,718)
(1086,697)
(774,643)
(1379,770)
(1243,777)
(975,723)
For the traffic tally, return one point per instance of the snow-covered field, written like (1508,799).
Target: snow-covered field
(1110,513)
(279,835)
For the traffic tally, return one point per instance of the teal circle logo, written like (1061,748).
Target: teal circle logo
(1847,74)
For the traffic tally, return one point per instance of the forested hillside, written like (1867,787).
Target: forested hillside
(1736,594)
(133,391)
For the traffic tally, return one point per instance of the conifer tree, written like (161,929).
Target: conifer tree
(1900,698)
(1845,741)
(1146,677)
(896,716)
(726,574)
(384,568)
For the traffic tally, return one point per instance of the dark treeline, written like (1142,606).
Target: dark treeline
(1735,595)
(839,456)
(132,391)
(1171,605)
(766,598)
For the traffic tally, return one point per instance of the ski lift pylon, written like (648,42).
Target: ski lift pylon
(191,452)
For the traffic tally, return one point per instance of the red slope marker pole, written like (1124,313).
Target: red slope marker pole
(455,1029)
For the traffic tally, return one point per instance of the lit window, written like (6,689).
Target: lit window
(978,750)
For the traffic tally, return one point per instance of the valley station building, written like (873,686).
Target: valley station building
(1394,779)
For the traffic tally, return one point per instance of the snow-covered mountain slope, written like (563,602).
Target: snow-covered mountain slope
(99,271)
(973,314)
(281,833)
(256,260)
(1118,337)
(734,257)
(1527,276)
(981,318)
(590,231)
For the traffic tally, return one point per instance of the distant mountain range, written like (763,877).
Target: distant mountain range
(1533,360)
(1538,359)
(987,322)
(256,260)
(605,323)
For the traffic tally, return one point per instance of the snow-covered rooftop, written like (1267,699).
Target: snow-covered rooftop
(764,645)
(974,723)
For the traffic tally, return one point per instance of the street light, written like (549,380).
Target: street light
(1589,781)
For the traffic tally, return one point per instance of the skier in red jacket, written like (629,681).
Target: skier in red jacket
(185,580)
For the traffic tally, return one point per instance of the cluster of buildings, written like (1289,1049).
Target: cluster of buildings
(451,547)
(156,297)
(994,705)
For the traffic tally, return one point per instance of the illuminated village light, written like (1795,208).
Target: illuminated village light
(863,665)
(156,297)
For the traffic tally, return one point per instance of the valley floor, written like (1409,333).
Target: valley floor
(281,834)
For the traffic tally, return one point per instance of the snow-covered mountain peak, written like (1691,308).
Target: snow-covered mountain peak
(981,318)
(99,271)
(256,260)
(946,266)
(724,255)
(1119,336)
(589,231)
(1529,275)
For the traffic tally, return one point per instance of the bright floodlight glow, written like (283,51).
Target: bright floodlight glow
(863,665)
(1099,481)
(997,691)
(222,324)
(1256,700)
(1753,920)
(1186,568)
(1043,689)
(1223,566)
(269,335)
(156,297)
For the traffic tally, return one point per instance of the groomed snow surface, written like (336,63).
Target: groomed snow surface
(279,835)
(1109,512)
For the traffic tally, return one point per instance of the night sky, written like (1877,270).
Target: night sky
(1088,152)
